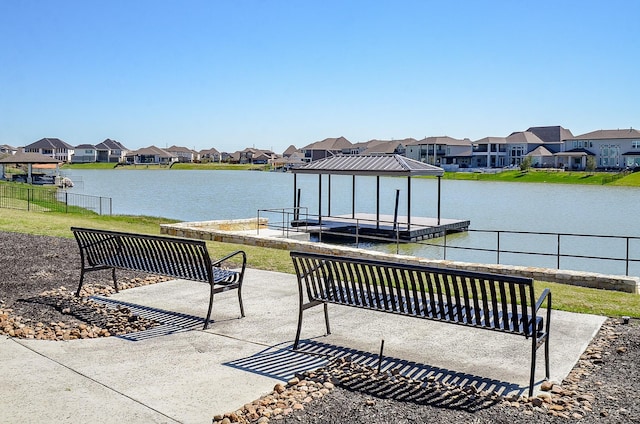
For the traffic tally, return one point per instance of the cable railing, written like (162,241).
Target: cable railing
(610,254)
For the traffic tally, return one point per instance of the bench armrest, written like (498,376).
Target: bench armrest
(231,255)
(546,294)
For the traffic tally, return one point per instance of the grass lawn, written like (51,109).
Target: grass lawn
(565,297)
(552,177)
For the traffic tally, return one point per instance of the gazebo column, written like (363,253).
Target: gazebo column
(29,177)
(408,203)
(377,201)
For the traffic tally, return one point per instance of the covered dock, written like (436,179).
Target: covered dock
(373,224)
(30,159)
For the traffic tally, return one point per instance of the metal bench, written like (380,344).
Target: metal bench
(489,301)
(169,256)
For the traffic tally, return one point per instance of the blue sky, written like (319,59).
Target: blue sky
(236,74)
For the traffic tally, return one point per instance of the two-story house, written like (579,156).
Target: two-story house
(611,149)
(111,151)
(326,148)
(52,147)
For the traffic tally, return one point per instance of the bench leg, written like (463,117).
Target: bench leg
(206,321)
(532,377)
(326,317)
(115,281)
(81,281)
(240,300)
(302,308)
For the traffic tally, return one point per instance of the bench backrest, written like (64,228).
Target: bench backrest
(498,302)
(170,256)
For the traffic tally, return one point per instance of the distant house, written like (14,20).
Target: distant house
(389,147)
(150,155)
(52,147)
(441,150)
(184,154)
(5,149)
(210,155)
(498,152)
(611,149)
(111,151)
(84,153)
(290,151)
(326,148)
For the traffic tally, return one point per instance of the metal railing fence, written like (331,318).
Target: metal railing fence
(559,250)
(48,200)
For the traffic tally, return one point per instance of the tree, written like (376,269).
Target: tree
(591,164)
(525,164)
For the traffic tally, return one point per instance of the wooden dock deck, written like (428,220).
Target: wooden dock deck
(365,224)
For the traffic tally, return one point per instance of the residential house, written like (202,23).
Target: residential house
(326,148)
(84,153)
(150,155)
(290,151)
(611,149)
(498,152)
(210,155)
(53,147)
(111,151)
(441,150)
(5,149)
(183,154)
(389,147)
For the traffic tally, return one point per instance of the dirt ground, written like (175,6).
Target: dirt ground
(603,387)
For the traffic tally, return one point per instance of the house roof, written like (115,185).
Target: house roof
(387,147)
(491,140)
(524,137)
(388,165)
(151,151)
(609,135)
(211,151)
(85,146)
(49,143)
(540,151)
(445,139)
(30,157)
(552,134)
(178,149)
(330,144)
(576,152)
(290,150)
(110,144)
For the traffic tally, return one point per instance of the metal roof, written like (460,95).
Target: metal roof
(387,165)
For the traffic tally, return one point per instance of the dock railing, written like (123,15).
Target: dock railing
(610,254)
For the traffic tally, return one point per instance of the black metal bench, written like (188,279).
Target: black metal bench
(179,258)
(490,301)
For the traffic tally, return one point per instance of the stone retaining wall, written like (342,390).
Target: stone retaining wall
(213,230)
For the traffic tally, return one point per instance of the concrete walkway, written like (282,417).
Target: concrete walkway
(179,373)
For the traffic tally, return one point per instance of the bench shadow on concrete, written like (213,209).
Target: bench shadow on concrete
(169,322)
(282,363)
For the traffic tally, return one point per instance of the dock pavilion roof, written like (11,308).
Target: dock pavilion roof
(373,165)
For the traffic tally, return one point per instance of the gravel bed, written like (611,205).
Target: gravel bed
(39,274)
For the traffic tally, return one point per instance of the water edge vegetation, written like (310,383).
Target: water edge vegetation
(529,176)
